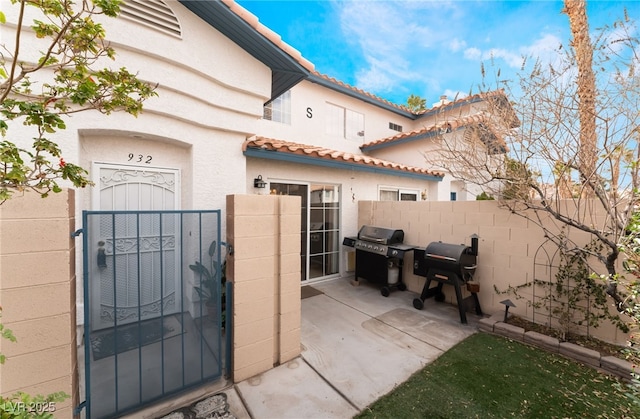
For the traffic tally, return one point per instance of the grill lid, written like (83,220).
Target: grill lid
(380,235)
(446,251)
(453,258)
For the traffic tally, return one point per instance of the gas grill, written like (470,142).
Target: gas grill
(447,264)
(379,256)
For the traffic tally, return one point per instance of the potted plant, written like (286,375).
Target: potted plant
(208,288)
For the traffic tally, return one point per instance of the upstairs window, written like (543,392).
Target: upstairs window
(344,123)
(279,109)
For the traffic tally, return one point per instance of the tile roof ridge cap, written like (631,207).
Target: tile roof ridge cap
(246,142)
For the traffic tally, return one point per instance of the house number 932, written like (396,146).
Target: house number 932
(139,158)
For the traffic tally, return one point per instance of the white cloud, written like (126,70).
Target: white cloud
(543,49)
(419,43)
(456,44)
(374,79)
(472,54)
(387,51)
(455,95)
(512,59)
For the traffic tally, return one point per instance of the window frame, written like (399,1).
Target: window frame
(344,122)
(399,193)
(281,107)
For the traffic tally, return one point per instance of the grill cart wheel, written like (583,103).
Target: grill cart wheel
(417,303)
(402,286)
(385,291)
(439,297)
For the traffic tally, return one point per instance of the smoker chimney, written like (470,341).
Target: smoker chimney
(474,244)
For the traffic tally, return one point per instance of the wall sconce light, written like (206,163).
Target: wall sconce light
(259,183)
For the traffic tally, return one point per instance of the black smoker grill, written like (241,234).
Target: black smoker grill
(445,263)
(379,255)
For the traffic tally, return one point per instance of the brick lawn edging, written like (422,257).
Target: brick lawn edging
(610,364)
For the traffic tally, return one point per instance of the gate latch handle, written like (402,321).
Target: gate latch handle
(102,256)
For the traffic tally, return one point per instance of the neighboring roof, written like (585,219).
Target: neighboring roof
(501,106)
(267,148)
(480,119)
(497,97)
(287,64)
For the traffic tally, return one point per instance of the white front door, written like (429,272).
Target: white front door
(135,258)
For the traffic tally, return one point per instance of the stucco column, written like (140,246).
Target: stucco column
(264,269)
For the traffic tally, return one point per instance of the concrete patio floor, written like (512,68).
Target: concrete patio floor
(356,347)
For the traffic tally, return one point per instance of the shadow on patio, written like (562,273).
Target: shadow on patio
(356,347)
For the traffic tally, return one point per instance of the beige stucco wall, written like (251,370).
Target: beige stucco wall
(37,294)
(264,233)
(507,247)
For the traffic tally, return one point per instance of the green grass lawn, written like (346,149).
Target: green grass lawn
(488,376)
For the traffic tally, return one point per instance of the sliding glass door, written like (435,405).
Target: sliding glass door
(320,227)
(324,230)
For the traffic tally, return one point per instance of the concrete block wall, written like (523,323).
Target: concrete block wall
(37,294)
(508,246)
(264,269)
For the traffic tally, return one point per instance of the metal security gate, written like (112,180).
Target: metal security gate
(155,306)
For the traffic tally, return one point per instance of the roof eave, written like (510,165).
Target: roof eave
(345,165)
(286,71)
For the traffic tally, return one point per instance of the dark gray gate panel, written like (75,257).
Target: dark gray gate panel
(148,331)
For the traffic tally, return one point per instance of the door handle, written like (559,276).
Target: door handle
(102,256)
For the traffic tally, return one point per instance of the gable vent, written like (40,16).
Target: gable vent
(152,13)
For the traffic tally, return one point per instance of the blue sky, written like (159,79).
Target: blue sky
(396,48)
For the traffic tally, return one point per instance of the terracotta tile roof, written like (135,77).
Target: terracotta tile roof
(334,155)
(437,129)
(253,21)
